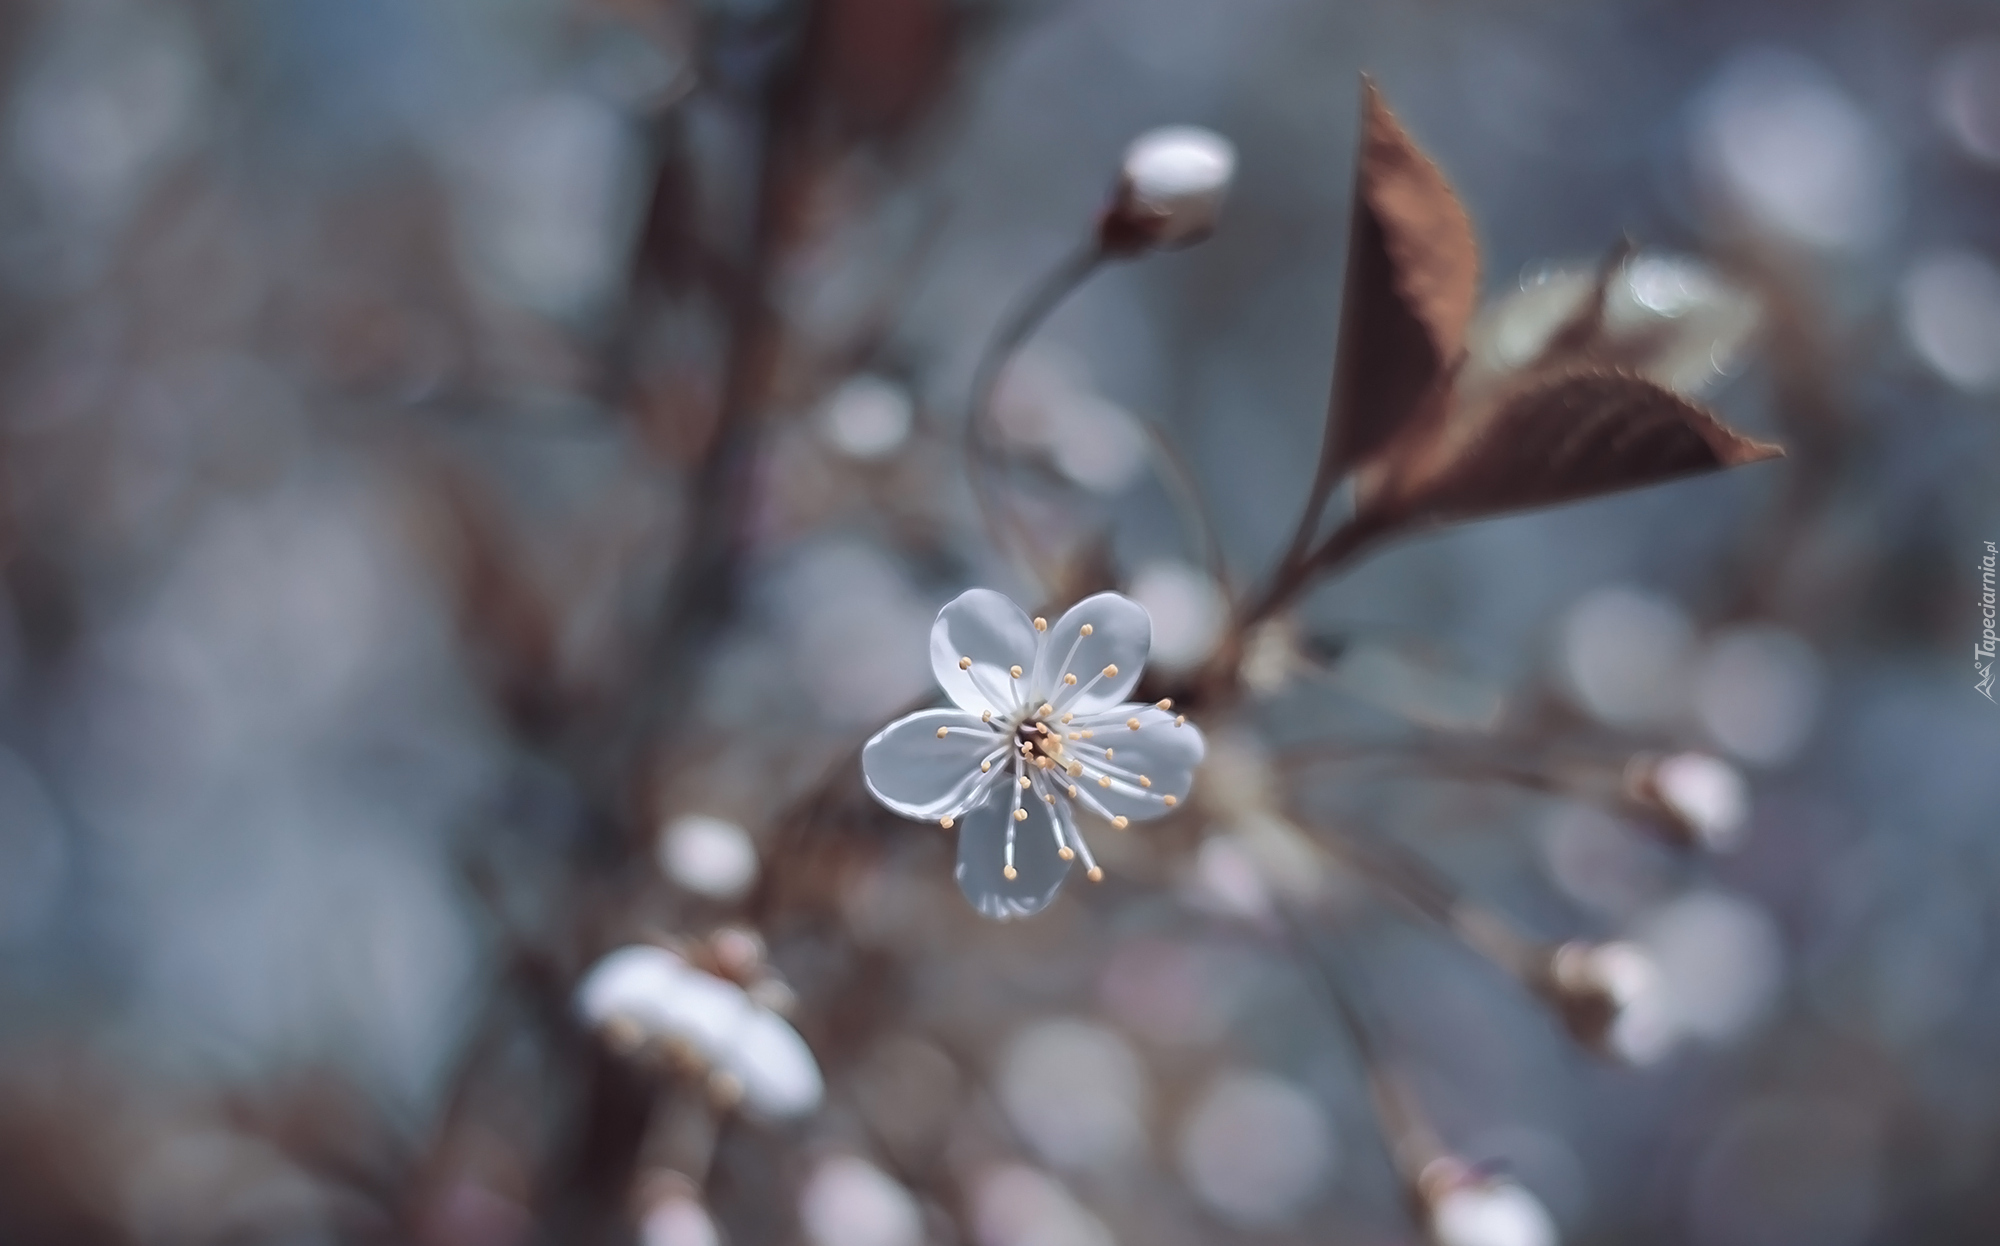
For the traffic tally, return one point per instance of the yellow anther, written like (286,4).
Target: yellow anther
(1171,801)
(1008,873)
(1104,780)
(1066,853)
(1020,815)
(1076,735)
(985,766)
(986,716)
(1096,875)
(1070,679)
(1166,703)
(1072,791)
(1180,720)
(1048,799)
(1133,723)
(1041,624)
(1074,769)
(1046,709)
(1025,780)
(945,823)
(943,732)
(1067,717)
(1088,629)
(1144,781)
(1015,671)
(1087,733)
(1111,672)
(1043,762)
(1108,752)
(965,664)
(1120,822)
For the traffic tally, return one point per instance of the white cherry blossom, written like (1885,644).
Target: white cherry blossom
(1040,731)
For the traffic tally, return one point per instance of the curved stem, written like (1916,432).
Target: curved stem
(1178,477)
(1013,332)
(1419,884)
(1407,1136)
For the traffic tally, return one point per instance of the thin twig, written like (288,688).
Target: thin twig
(1407,1136)
(1178,478)
(1013,332)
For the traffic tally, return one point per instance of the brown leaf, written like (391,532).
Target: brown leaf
(1412,285)
(1558,440)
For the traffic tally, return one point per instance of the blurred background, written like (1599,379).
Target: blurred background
(475,471)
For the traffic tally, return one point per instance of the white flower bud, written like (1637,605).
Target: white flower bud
(1466,1208)
(676,1217)
(1170,189)
(1613,998)
(708,856)
(1704,795)
(641,996)
(1700,800)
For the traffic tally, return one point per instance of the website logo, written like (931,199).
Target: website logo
(1983,652)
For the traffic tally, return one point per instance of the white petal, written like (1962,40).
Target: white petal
(991,630)
(1038,867)
(912,771)
(666,998)
(1164,753)
(1121,634)
(631,985)
(779,1075)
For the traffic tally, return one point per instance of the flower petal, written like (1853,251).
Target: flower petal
(779,1075)
(911,770)
(1039,869)
(991,630)
(1162,752)
(1121,634)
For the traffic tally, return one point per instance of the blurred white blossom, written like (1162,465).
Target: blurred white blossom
(1618,993)
(678,1219)
(643,994)
(1047,403)
(1780,142)
(848,1201)
(1188,608)
(867,417)
(1624,654)
(1675,319)
(1950,305)
(101,107)
(1255,1148)
(1076,1091)
(1470,1209)
(1757,691)
(1707,795)
(708,855)
(1720,960)
(1018,1206)
(1966,95)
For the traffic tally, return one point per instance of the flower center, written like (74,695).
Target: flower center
(1031,734)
